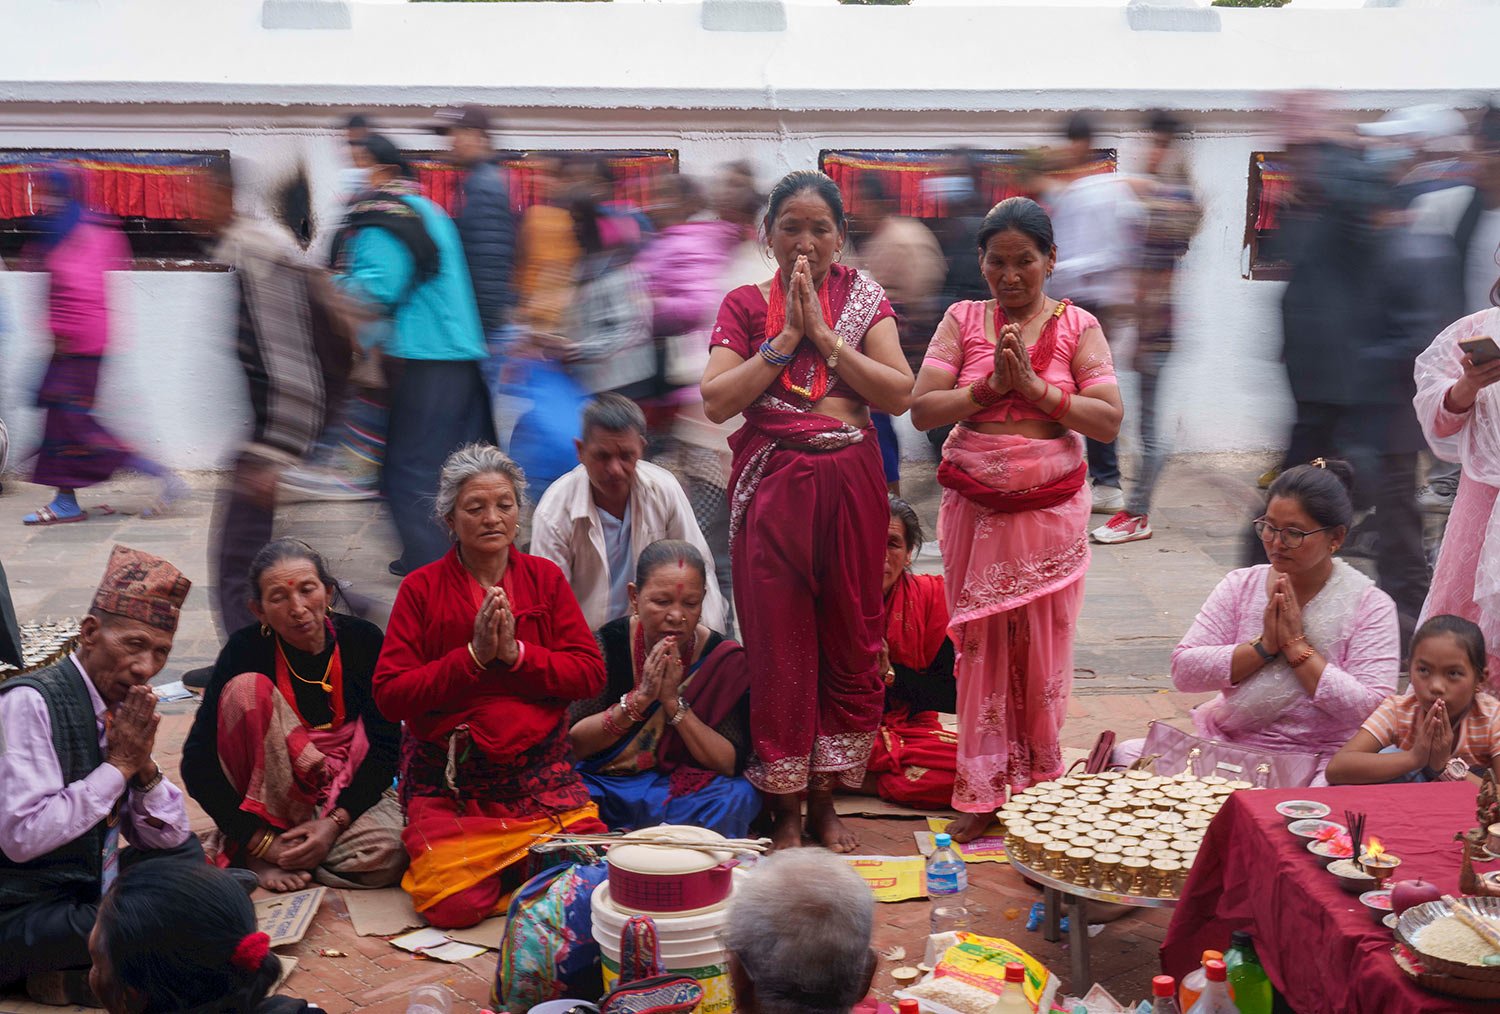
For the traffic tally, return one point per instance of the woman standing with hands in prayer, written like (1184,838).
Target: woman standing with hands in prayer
(485,649)
(1458,405)
(1026,378)
(805,355)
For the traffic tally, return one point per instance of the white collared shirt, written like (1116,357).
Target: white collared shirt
(566,530)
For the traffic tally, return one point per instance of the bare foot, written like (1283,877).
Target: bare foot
(786,827)
(969,826)
(824,823)
(274,878)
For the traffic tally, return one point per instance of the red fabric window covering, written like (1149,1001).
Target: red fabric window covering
(904,173)
(634,171)
(159,186)
(1275,191)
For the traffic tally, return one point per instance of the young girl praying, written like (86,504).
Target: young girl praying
(1445,728)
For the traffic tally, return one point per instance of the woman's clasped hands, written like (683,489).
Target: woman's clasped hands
(495,630)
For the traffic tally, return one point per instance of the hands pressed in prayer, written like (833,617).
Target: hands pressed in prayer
(1270,633)
(671,674)
(131,734)
(1020,376)
(1434,737)
(794,328)
(507,650)
(495,630)
(1288,616)
(813,324)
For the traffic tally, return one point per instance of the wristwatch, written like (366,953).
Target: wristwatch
(1260,649)
(1454,771)
(146,787)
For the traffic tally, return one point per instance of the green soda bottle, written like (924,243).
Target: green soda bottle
(1248,982)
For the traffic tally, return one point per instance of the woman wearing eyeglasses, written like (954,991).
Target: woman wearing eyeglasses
(1301,650)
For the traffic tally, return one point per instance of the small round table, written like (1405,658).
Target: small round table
(1054,890)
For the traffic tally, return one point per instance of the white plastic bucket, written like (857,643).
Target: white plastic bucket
(689,945)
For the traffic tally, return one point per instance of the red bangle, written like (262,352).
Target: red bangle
(1064,403)
(1309,653)
(610,725)
(982,394)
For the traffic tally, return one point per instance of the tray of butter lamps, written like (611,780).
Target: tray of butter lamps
(1130,833)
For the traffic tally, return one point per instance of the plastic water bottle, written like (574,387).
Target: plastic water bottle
(947,887)
(1248,983)
(1162,1000)
(429,999)
(1215,998)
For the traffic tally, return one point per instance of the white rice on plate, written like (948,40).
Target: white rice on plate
(1451,940)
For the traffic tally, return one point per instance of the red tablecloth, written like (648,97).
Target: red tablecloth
(1320,946)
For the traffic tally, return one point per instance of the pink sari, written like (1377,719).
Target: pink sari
(1015,586)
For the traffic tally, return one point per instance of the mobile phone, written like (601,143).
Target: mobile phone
(1481,349)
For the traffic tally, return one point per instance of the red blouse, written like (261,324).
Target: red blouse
(741,326)
(427,679)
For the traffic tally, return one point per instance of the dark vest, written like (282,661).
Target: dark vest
(74,870)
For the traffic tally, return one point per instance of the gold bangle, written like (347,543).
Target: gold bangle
(263,846)
(474,655)
(1309,653)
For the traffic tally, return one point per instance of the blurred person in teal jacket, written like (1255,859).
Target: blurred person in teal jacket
(400,253)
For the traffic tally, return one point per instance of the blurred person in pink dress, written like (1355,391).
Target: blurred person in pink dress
(1026,378)
(1458,406)
(76,250)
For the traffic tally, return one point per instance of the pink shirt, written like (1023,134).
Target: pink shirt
(1361,671)
(77,298)
(964,346)
(40,814)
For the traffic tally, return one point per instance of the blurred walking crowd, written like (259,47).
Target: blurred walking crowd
(697,395)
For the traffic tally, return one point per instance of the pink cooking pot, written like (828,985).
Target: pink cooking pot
(660,879)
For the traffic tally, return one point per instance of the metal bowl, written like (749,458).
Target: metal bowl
(1417,918)
(1350,877)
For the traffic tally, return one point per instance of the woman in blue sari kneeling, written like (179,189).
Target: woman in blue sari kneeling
(669,738)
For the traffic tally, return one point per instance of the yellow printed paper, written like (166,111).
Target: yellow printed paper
(980,961)
(892,878)
(987,848)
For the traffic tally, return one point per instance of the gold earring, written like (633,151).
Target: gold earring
(265,631)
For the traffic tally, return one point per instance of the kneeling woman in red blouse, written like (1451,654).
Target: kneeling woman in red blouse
(485,649)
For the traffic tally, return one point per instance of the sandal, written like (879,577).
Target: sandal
(47,516)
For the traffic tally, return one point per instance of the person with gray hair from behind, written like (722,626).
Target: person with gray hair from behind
(594,521)
(799,936)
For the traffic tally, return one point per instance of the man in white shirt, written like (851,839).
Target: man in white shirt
(594,521)
(1097,223)
(79,781)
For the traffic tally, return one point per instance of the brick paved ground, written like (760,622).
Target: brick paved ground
(1140,598)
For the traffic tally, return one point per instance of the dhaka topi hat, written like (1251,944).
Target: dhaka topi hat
(142,587)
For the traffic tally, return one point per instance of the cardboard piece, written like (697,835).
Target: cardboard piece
(381,913)
(987,848)
(288,966)
(874,806)
(434,943)
(487,934)
(285,918)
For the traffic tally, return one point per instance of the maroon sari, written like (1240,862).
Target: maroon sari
(808,515)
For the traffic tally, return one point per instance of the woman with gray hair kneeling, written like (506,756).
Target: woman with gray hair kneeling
(799,936)
(484,650)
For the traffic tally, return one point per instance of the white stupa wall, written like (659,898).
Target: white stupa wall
(166,74)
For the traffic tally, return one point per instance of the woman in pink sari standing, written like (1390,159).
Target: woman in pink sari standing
(1458,405)
(1026,378)
(805,355)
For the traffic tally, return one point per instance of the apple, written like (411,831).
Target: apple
(1407,894)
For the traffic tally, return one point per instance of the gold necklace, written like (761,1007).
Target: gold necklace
(322,684)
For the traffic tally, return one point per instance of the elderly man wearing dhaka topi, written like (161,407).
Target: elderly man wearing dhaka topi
(485,649)
(805,356)
(79,781)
